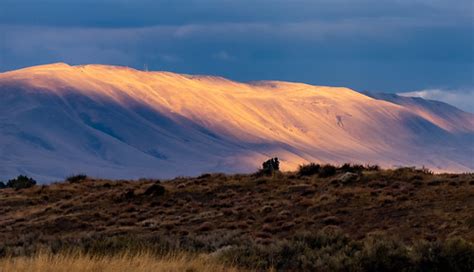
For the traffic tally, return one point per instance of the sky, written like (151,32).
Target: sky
(420,47)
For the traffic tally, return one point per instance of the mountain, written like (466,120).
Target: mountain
(116,122)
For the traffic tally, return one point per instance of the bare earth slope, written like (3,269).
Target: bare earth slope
(116,122)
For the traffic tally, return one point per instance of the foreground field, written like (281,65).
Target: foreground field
(328,219)
(117,263)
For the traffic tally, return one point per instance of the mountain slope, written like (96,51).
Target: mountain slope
(118,122)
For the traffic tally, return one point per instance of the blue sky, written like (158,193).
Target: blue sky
(370,45)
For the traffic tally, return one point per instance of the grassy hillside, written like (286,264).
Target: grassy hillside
(345,218)
(142,262)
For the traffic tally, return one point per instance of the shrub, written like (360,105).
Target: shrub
(372,167)
(204,176)
(155,190)
(270,166)
(404,171)
(76,178)
(327,171)
(330,250)
(454,254)
(425,171)
(2,185)
(353,168)
(21,182)
(309,169)
(320,251)
(382,254)
(128,195)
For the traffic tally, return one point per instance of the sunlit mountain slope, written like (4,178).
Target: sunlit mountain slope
(119,122)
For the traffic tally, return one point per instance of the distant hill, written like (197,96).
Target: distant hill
(117,122)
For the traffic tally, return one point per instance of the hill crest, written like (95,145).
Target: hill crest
(118,122)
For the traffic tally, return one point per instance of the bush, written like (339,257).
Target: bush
(325,250)
(328,249)
(353,168)
(21,182)
(331,250)
(204,176)
(454,254)
(309,169)
(327,171)
(404,171)
(2,185)
(372,167)
(270,166)
(76,178)
(382,254)
(155,190)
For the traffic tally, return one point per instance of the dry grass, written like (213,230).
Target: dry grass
(85,263)
(411,204)
(251,221)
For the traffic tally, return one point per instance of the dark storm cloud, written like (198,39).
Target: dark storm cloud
(367,45)
(127,13)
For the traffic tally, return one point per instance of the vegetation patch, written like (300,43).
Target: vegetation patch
(20,182)
(338,218)
(76,178)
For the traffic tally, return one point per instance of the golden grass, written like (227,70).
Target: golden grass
(120,263)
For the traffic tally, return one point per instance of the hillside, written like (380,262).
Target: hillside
(117,122)
(290,221)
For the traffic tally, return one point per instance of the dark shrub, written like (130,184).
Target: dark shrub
(21,182)
(155,190)
(128,195)
(327,171)
(2,185)
(372,167)
(76,178)
(426,171)
(353,168)
(204,176)
(454,254)
(381,254)
(321,251)
(270,166)
(309,169)
(458,254)
(403,171)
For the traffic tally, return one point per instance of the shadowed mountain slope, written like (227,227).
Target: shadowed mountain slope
(117,122)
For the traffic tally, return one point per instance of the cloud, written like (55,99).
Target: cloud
(362,44)
(463,99)
(223,55)
(356,53)
(169,58)
(140,13)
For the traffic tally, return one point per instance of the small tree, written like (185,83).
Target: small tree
(2,185)
(21,182)
(270,166)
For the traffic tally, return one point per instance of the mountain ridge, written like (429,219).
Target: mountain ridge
(118,122)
